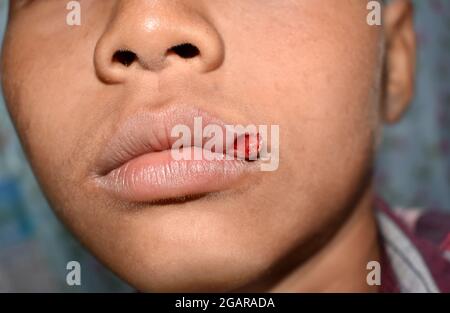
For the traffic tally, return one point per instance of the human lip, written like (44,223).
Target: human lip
(137,164)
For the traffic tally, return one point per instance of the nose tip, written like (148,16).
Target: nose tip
(156,38)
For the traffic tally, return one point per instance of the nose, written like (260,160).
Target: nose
(153,36)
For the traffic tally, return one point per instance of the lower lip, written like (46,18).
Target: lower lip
(157,176)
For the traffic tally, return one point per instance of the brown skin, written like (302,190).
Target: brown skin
(313,67)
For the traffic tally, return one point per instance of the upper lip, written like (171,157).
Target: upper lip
(148,132)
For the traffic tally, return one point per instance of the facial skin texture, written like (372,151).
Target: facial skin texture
(313,67)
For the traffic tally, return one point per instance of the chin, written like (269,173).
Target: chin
(202,267)
(190,247)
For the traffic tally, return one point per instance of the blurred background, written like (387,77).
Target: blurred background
(413,171)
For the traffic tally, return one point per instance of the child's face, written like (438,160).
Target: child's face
(312,67)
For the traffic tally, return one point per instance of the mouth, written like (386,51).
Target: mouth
(139,163)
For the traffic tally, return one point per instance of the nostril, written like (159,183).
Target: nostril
(185,51)
(125,57)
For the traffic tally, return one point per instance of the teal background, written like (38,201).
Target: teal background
(413,170)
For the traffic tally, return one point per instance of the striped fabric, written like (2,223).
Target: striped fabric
(412,260)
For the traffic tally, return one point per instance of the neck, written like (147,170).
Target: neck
(340,264)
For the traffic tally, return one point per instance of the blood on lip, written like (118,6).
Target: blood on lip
(251,152)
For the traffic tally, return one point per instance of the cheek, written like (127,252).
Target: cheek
(49,85)
(41,100)
(320,83)
(305,72)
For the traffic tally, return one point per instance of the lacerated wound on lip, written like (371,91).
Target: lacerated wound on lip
(237,145)
(247,146)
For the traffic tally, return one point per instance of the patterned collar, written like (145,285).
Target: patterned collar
(409,263)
